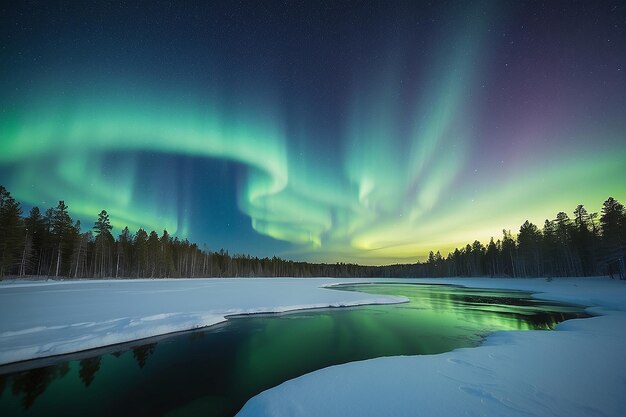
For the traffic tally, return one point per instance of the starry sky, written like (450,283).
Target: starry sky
(352,131)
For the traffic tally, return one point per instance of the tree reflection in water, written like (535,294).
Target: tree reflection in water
(142,353)
(88,369)
(31,384)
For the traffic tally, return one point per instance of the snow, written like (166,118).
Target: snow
(577,370)
(46,318)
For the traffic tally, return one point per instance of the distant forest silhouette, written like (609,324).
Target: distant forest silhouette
(52,244)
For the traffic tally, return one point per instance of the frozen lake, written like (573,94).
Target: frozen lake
(215,371)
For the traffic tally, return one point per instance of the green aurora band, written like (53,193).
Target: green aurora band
(403,186)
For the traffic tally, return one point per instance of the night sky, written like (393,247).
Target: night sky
(367,132)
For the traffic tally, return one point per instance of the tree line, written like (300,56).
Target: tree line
(584,245)
(52,244)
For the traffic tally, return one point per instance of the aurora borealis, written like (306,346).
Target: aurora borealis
(367,132)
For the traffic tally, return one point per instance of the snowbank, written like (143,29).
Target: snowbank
(43,318)
(578,370)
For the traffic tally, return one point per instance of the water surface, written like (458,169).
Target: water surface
(213,372)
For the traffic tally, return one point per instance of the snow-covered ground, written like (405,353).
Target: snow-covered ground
(578,370)
(45,318)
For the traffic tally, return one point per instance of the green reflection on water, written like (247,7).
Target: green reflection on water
(213,372)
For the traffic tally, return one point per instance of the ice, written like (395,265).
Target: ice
(577,370)
(44,318)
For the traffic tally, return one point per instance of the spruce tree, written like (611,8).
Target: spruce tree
(154,254)
(613,224)
(104,242)
(491,258)
(62,234)
(529,244)
(583,239)
(35,228)
(11,236)
(141,253)
(167,263)
(509,253)
(124,254)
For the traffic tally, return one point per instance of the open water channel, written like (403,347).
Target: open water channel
(214,371)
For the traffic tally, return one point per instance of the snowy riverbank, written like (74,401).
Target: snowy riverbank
(46,318)
(578,370)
